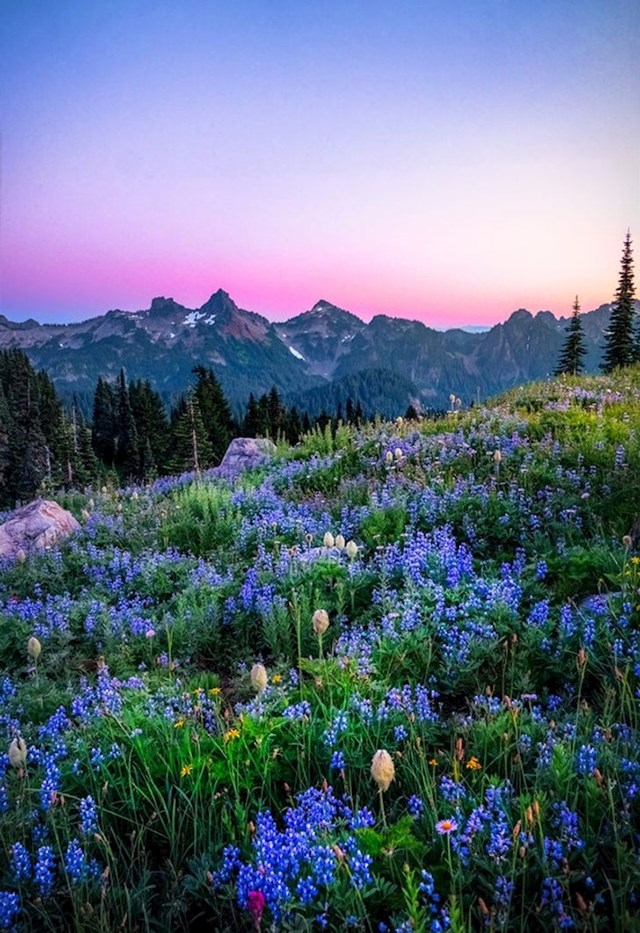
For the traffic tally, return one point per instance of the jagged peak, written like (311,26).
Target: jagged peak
(324,305)
(159,304)
(326,308)
(520,315)
(220,301)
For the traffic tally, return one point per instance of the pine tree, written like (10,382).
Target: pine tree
(215,411)
(104,422)
(256,421)
(190,447)
(151,426)
(127,455)
(250,421)
(275,414)
(87,468)
(619,349)
(29,453)
(350,411)
(574,350)
(5,418)
(293,425)
(66,474)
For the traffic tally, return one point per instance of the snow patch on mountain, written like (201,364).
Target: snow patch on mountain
(297,355)
(193,317)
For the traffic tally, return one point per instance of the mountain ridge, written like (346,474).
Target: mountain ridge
(309,351)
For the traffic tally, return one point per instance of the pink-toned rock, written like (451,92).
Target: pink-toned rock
(34,527)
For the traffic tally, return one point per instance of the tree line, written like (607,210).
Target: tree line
(622,337)
(131,437)
(45,445)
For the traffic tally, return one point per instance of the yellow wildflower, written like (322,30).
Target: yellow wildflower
(433,762)
(473,764)
(231,735)
(215,691)
(185,770)
(276,679)
(178,724)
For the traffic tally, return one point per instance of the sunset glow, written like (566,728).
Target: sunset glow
(443,162)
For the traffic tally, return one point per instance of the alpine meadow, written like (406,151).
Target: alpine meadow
(319,613)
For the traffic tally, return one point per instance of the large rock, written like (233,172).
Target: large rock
(246,452)
(34,527)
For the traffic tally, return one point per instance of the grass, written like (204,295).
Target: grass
(485,634)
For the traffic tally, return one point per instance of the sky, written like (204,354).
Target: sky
(447,162)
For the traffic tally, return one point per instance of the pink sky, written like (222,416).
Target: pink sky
(444,164)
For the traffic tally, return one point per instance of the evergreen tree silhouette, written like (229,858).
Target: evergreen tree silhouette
(104,422)
(620,347)
(190,447)
(5,418)
(127,455)
(30,458)
(574,349)
(214,410)
(151,425)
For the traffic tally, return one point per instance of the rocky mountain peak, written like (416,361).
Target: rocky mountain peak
(520,315)
(162,304)
(324,305)
(220,302)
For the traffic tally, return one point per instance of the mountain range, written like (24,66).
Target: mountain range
(316,359)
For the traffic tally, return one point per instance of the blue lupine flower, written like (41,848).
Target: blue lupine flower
(20,862)
(541,570)
(88,815)
(9,909)
(76,864)
(587,759)
(44,870)
(415,806)
(306,890)
(359,864)
(337,761)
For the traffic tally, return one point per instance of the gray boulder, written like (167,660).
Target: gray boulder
(35,527)
(246,452)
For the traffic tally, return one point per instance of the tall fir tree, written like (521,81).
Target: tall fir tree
(571,360)
(275,414)
(293,425)
(214,410)
(104,422)
(30,459)
(251,421)
(151,425)
(127,454)
(67,473)
(87,468)
(620,345)
(4,447)
(256,421)
(190,447)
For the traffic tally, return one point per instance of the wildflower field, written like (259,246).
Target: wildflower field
(388,682)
